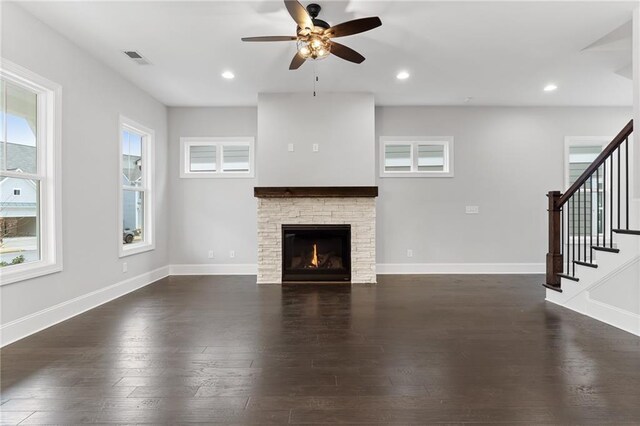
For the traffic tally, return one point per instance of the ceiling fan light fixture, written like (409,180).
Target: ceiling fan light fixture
(314,47)
(403,75)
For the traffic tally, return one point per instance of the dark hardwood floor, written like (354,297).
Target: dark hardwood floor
(411,350)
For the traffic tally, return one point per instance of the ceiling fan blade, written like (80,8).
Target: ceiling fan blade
(297,61)
(346,53)
(354,27)
(270,38)
(299,14)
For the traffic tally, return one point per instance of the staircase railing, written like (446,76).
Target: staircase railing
(594,207)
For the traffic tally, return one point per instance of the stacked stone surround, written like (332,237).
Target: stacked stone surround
(360,213)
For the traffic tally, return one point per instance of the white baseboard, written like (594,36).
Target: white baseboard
(215,269)
(30,324)
(381,268)
(611,315)
(460,268)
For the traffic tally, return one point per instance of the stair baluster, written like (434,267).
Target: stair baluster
(579,201)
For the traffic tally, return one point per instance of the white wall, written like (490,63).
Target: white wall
(211,214)
(342,124)
(506,160)
(93,96)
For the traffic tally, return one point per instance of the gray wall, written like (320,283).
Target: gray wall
(211,214)
(506,160)
(93,96)
(342,124)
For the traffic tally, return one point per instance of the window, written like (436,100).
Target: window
(136,189)
(580,152)
(416,156)
(217,157)
(30,217)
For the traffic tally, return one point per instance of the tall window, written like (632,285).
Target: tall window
(580,152)
(416,156)
(29,187)
(136,191)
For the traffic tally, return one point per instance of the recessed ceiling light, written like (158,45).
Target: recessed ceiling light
(228,75)
(550,87)
(402,75)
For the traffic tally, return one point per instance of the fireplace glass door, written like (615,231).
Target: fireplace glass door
(316,253)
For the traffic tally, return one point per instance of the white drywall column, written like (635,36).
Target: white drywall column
(635,46)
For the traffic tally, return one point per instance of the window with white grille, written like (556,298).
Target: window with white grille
(209,157)
(416,156)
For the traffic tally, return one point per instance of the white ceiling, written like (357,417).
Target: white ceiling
(497,53)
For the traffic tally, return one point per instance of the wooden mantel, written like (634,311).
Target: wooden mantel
(314,191)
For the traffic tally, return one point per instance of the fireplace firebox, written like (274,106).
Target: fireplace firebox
(316,253)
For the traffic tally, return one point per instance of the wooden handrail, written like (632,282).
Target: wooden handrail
(615,143)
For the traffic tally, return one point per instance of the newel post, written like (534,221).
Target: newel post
(554,256)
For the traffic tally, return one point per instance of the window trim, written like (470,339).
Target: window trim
(572,141)
(219,142)
(415,141)
(49,173)
(148,155)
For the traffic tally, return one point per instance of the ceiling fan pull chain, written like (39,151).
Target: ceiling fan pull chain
(315,79)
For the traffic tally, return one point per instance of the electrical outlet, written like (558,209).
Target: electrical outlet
(232,253)
(290,147)
(409,253)
(125,267)
(315,147)
(472,210)
(210,254)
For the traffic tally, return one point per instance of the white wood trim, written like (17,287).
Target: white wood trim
(215,269)
(381,268)
(149,166)
(219,143)
(459,268)
(570,141)
(414,141)
(30,324)
(49,173)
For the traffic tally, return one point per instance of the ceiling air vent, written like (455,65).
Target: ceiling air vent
(137,58)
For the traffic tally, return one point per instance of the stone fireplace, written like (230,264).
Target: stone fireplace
(316,234)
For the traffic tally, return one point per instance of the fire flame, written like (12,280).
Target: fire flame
(314,260)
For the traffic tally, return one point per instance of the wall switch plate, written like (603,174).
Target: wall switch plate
(232,253)
(315,147)
(472,210)
(290,147)
(409,253)
(210,254)
(125,267)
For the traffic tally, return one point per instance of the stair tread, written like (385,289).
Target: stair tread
(627,231)
(569,277)
(608,249)
(587,264)
(552,287)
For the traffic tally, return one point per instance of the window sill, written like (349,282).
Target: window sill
(28,271)
(417,175)
(206,175)
(131,249)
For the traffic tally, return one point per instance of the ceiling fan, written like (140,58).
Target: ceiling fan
(313,35)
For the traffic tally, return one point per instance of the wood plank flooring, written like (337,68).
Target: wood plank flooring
(412,350)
